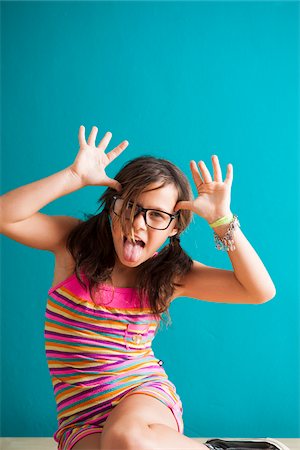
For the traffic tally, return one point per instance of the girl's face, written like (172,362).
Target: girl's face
(129,255)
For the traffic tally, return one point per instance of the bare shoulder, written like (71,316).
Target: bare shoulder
(64,264)
(64,261)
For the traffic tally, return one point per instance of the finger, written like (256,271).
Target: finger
(205,172)
(216,168)
(117,151)
(81,136)
(114,184)
(92,136)
(229,174)
(183,205)
(196,175)
(105,140)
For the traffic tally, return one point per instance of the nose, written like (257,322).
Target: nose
(139,220)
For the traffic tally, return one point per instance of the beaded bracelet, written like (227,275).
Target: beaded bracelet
(226,243)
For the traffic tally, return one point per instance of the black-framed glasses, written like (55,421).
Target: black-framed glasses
(154,218)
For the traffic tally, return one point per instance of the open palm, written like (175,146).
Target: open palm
(91,161)
(213,200)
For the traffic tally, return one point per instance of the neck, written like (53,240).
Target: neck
(123,276)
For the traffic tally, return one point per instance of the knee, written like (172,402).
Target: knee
(127,434)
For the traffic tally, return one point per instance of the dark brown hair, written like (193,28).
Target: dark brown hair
(91,243)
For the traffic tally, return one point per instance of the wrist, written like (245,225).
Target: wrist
(74,177)
(221,230)
(223,235)
(212,218)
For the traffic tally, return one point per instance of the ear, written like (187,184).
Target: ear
(173,232)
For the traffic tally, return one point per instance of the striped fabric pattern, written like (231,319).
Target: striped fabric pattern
(99,353)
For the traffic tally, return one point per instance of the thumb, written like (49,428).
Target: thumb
(114,184)
(184,205)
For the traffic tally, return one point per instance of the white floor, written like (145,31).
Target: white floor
(49,444)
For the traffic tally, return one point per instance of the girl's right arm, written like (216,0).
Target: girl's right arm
(20,219)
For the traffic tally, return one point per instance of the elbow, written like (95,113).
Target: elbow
(266,296)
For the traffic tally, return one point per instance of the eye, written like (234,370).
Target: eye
(156,215)
(129,205)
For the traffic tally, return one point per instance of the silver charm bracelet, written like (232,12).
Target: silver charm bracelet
(226,243)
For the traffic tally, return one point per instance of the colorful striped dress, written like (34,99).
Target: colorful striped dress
(98,354)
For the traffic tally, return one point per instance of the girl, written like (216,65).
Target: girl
(111,286)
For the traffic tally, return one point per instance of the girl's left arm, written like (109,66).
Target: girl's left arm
(249,282)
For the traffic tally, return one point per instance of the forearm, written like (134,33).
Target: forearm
(247,265)
(23,202)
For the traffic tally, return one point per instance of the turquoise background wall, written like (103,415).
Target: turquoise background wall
(182,81)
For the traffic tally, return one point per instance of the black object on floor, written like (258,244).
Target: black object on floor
(255,444)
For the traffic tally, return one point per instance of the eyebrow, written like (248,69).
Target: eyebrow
(157,208)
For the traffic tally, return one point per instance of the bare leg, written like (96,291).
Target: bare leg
(89,442)
(167,438)
(149,437)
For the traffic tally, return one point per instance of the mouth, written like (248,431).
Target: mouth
(137,241)
(133,251)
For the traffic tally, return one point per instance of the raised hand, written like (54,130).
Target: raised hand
(91,161)
(213,200)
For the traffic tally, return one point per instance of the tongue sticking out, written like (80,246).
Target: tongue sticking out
(132,252)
